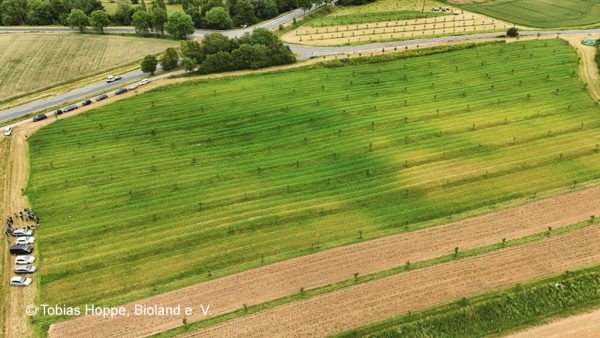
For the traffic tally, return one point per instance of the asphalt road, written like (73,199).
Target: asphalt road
(303,51)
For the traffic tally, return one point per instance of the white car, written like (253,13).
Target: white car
(28,268)
(133,86)
(22,232)
(144,82)
(20,281)
(113,78)
(8,131)
(24,260)
(25,240)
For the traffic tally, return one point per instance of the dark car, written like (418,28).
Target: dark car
(39,117)
(19,249)
(121,91)
(58,112)
(101,97)
(86,102)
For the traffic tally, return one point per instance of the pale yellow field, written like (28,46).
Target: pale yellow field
(464,23)
(34,61)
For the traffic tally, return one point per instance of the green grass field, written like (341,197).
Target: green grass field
(541,13)
(210,177)
(382,10)
(35,61)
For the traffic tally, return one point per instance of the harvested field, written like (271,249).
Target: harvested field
(467,23)
(374,301)
(286,278)
(62,57)
(585,325)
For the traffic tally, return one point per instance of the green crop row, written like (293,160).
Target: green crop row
(497,312)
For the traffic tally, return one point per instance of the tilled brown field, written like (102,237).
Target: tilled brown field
(286,278)
(384,298)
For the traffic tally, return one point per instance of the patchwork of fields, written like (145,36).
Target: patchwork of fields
(34,61)
(539,13)
(249,170)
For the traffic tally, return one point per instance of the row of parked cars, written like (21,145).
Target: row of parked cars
(24,260)
(87,102)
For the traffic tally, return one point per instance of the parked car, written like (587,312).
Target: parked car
(133,86)
(144,82)
(21,232)
(69,108)
(121,91)
(8,131)
(21,249)
(39,117)
(113,78)
(86,102)
(24,260)
(101,97)
(20,281)
(25,240)
(58,112)
(28,268)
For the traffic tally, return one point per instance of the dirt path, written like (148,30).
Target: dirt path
(588,70)
(586,325)
(384,298)
(15,320)
(286,278)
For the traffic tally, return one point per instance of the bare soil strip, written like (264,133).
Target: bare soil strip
(384,298)
(286,278)
(586,325)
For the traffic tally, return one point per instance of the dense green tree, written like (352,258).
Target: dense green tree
(219,62)
(170,59)
(149,64)
(78,19)
(142,21)
(218,18)
(160,3)
(265,9)
(14,12)
(244,13)
(189,64)
(194,13)
(286,5)
(40,13)
(512,32)
(215,42)
(251,56)
(180,25)
(123,14)
(210,4)
(87,6)
(192,49)
(99,19)
(185,5)
(159,19)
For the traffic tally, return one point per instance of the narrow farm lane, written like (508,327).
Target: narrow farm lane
(588,69)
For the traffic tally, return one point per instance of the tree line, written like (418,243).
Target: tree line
(218,53)
(214,14)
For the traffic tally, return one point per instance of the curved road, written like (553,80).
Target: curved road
(303,51)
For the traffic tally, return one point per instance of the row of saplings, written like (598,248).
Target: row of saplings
(218,53)
(22,247)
